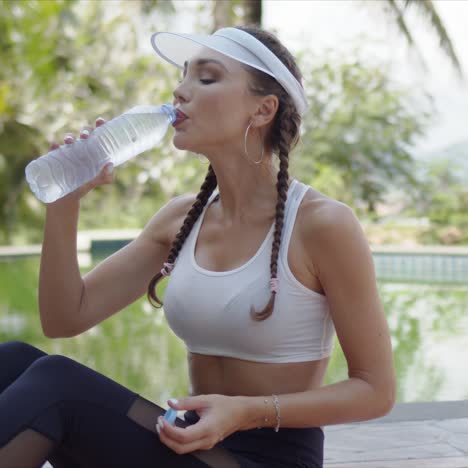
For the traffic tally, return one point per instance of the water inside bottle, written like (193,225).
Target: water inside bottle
(132,134)
(63,170)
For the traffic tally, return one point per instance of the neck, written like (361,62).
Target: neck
(246,191)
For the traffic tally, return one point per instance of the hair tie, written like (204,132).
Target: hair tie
(274,285)
(168,267)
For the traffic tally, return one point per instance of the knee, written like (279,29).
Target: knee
(58,376)
(18,350)
(54,365)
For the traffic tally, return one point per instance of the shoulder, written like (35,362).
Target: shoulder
(321,215)
(166,222)
(180,205)
(330,228)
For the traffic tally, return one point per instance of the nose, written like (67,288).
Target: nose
(180,94)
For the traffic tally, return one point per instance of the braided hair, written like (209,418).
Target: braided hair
(281,139)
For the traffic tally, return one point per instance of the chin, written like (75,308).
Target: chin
(182,143)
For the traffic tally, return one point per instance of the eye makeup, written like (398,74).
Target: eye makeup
(199,63)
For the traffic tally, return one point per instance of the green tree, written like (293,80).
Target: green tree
(30,49)
(359,130)
(442,197)
(67,62)
(71,61)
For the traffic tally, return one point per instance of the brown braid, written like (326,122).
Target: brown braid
(289,122)
(194,213)
(281,139)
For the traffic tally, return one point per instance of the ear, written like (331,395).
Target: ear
(266,110)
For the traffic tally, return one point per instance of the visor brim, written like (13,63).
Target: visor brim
(178,48)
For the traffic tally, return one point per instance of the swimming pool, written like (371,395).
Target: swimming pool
(428,323)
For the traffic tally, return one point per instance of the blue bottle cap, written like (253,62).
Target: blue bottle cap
(170,415)
(170,111)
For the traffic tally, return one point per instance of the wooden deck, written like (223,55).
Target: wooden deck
(413,435)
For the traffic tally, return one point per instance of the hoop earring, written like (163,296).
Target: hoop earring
(245,147)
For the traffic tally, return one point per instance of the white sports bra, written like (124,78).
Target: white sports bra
(210,310)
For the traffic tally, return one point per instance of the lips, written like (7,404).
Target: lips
(180,117)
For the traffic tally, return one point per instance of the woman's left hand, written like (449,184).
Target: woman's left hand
(220,416)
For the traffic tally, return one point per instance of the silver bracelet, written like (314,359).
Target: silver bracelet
(278,412)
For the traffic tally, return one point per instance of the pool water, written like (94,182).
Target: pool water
(428,324)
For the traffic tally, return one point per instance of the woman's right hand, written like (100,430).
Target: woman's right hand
(105,176)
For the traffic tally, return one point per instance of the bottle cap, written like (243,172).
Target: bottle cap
(170,415)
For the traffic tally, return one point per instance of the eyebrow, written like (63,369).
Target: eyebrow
(201,62)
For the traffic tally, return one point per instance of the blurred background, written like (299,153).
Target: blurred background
(386,133)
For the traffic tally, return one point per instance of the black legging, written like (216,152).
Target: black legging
(53,408)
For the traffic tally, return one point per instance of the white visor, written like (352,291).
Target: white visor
(177,48)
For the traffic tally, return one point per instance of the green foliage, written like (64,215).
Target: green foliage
(443,199)
(29,36)
(359,129)
(69,62)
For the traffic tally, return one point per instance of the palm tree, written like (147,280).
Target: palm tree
(396,11)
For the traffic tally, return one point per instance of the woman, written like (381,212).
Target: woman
(262,268)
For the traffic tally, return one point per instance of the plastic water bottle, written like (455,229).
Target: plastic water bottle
(59,172)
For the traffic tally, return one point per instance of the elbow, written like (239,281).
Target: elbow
(379,398)
(54,332)
(386,400)
(47,330)
(385,406)
(53,335)
(378,394)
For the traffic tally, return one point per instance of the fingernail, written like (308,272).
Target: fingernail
(158,429)
(174,401)
(100,119)
(161,423)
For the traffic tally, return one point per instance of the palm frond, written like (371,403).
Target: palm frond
(400,20)
(398,14)
(396,10)
(427,9)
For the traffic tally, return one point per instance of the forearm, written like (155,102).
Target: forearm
(343,402)
(60,282)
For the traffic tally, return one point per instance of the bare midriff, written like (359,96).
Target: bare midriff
(232,376)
